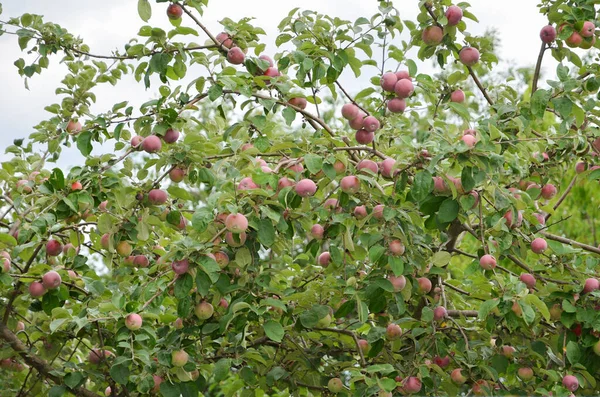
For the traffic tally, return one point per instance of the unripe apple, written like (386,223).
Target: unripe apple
(432,35)
(368,165)
(157,197)
(236,223)
(439,313)
(124,248)
(487,262)
(179,358)
(469,140)
(204,310)
(396,105)
(555,312)
(525,373)
(305,188)
(378,211)
(171,136)
(570,382)
(588,29)
(299,102)
(20,326)
(247,184)
(539,245)
(574,40)
(596,348)
(51,280)
(224,39)
(36,289)
(350,184)
(393,331)
(371,124)
(335,385)
(317,231)
(549,191)
(591,284)
(357,122)
(181,266)
(424,285)
(469,56)
(457,377)
(363,344)
(387,167)
(53,248)
(548,34)
(457,96)
(350,111)
(404,88)
(151,144)
(528,279)
(324,259)
(364,137)
(398,282)
(105,240)
(133,321)
(388,81)
(178,323)
(517,309)
(481,388)
(236,56)
(174,11)
(396,247)
(96,356)
(412,385)
(454,15)
(235,240)
(360,211)
(222,259)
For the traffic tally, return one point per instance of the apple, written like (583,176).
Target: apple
(440,313)
(549,191)
(570,382)
(350,184)
(363,344)
(393,331)
(424,285)
(481,388)
(454,15)
(236,56)
(76,185)
(20,326)
(588,29)
(235,240)
(24,186)
(133,321)
(396,247)
(403,74)
(297,167)
(181,266)
(457,377)
(555,312)
(596,348)
(378,211)
(441,362)
(396,105)
(469,140)
(528,279)
(284,182)
(574,40)
(124,248)
(368,165)
(398,282)
(179,358)
(591,284)
(360,211)
(487,262)
(404,88)
(51,280)
(141,261)
(96,356)
(350,111)
(580,167)
(324,259)
(171,136)
(105,240)
(305,188)
(387,167)
(513,223)
(440,186)
(525,373)
(335,385)
(432,35)
(74,127)
(151,144)
(539,245)
(136,142)
(177,174)
(517,309)
(36,289)
(174,11)
(236,223)
(298,102)
(224,39)
(204,310)
(247,184)
(548,34)
(53,248)
(412,385)
(364,137)
(157,197)
(157,381)
(371,124)
(469,56)
(222,259)
(457,96)
(357,122)
(587,43)
(388,81)
(317,231)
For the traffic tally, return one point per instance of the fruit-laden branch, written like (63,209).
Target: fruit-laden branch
(462,313)
(40,365)
(573,243)
(538,66)
(213,38)
(125,57)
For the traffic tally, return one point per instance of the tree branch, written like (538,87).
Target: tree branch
(538,66)
(573,243)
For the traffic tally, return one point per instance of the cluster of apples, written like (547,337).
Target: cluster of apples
(583,35)
(433,35)
(152,143)
(358,120)
(399,83)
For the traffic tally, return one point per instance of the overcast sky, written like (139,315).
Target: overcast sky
(108,24)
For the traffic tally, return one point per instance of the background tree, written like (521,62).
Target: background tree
(264,231)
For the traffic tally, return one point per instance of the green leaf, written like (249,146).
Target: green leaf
(120,373)
(313,162)
(57,391)
(563,106)
(486,307)
(183,285)
(274,330)
(441,258)
(144,10)
(422,186)
(84,142)
(376,252)
(573,352)
(448,211)
(534,300)
(539,102)
(73,379)
(266,232)
(201,219)
(169,390)
(289,115)
(57,179)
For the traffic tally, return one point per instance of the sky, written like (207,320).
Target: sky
(108,24)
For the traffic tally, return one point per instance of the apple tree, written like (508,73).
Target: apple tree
(260,227)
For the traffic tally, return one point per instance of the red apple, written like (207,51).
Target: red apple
(469,56)
(179,358)
(393,331)
(404,88)
(457,96)
(548,34)
(53,248)
(350,184)
(487,262)
(454,15)
(305,188)
(133,321)
(432,35)
(174,11)
(539,245)
(204,310)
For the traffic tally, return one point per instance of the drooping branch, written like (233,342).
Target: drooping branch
(40,365)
